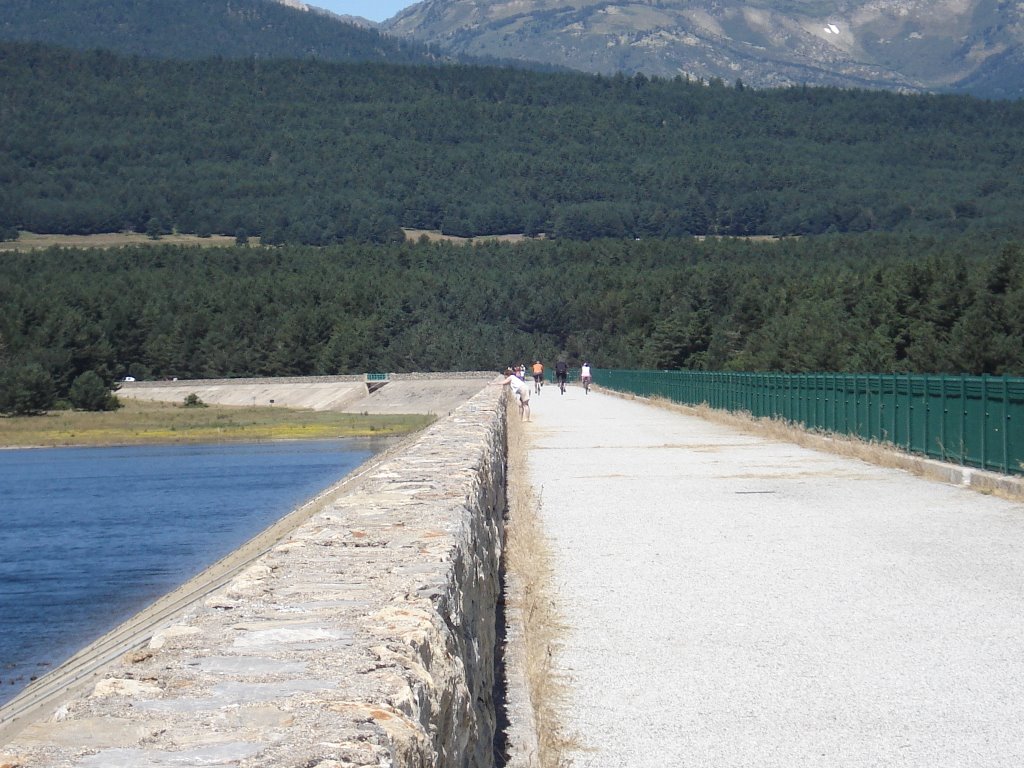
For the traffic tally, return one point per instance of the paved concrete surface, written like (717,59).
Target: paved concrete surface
(733,601)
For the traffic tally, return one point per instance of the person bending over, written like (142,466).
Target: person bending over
(520,390)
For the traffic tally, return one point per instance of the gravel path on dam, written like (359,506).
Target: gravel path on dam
(735,601)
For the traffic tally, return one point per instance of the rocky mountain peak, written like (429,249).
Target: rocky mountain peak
(912,45)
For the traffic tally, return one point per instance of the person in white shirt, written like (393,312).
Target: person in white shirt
(585,376)
(521,390)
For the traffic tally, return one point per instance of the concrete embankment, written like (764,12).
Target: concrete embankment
(365,636)
(427,393)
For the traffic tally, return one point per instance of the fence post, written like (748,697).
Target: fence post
(880,427)
(820,400)
(895,407)
(856,405)
(846,405)
(835,396)
(984,421)
(910,413)
(1005,422)
(800,398)
(963,419)
(927,411)
(942,423)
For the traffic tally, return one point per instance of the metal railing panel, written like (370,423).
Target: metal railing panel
(973,420)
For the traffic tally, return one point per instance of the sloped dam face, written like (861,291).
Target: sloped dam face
(361,631)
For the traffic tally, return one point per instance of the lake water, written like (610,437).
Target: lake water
(91,536)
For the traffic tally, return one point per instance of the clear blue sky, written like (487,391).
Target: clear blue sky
(374,10)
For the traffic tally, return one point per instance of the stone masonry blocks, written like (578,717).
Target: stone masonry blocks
(366,637)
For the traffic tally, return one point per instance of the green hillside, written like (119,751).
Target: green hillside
(904,213)
(199,29)
(316,152)
(840,303)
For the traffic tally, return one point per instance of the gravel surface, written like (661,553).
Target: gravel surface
(733,601)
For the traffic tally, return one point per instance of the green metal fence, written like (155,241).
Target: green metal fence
(977,421)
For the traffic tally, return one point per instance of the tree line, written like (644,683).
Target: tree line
(867,303)
(314,152)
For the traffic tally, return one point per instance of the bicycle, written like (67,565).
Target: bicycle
(538,382)
(561,374)
(586,385)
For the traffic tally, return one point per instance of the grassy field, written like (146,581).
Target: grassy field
(30,241)
(140,422)
(434,236)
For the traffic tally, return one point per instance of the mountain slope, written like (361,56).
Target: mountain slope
(195,29)
(318,152)
(913,45)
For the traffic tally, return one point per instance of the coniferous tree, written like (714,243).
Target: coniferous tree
(25,390)
(90,393)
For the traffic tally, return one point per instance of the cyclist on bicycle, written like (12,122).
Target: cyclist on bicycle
(538,376)
(561,374)
(585,377)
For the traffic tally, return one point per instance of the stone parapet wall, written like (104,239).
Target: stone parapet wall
(364,637)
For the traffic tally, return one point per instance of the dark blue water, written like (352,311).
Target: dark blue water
(90,536)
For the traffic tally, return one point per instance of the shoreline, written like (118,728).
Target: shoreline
(157,423)
(81,669)
(144,443)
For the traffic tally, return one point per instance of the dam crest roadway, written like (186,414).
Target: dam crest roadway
(727,598)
